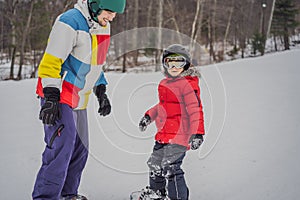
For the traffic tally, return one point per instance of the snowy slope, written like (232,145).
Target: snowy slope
(251,149)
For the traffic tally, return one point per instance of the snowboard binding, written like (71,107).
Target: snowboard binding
(148,194)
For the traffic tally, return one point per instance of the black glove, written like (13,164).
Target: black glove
(104,104)
(145,121)
(50,111)
(195,141)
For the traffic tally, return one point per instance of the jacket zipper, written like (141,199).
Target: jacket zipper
(55,134)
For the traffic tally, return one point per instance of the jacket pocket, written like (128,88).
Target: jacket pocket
(55,134)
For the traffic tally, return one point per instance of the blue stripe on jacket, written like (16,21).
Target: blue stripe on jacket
(77,72)
(75,19)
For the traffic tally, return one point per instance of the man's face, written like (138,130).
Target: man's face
(106,16)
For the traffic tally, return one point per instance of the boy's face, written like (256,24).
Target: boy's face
(106,16)
(175,71)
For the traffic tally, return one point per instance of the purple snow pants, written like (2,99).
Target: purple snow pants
(64,157)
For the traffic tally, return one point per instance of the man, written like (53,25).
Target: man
(70,68)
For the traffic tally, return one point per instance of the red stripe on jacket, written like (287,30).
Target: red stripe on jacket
(103,45)
(69,94)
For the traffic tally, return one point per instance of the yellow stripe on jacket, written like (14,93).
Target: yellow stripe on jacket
(50,66)
(94,50)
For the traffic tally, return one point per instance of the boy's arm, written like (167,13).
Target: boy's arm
(148,117)
(194,107)
(152,112)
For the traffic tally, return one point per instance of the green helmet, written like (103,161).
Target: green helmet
(96,7)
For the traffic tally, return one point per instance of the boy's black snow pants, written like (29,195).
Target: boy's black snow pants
(165,170)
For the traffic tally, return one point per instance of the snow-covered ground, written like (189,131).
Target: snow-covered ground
(251,151)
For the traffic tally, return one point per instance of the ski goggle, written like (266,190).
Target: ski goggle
(175,61)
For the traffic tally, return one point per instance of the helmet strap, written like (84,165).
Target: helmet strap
(94,15)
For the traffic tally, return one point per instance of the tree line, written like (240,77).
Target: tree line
(208,27)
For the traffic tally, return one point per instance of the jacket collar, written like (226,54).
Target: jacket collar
(192,71)
(82,6)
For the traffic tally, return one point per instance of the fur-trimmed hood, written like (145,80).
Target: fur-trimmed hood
(192,71)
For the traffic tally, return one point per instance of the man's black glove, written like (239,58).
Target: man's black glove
(195,141)
(145,121)
(104,104)
(50,111)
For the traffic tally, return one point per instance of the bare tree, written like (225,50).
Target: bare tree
(231,9)
(271,17)
(149,14)
(159,34)
(194,25)
(12,8)
(211,27)
(173,19)
(24,36)
(135,36)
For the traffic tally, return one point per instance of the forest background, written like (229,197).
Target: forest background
(213,30)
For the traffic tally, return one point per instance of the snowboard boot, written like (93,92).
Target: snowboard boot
(149,194)
(77,197)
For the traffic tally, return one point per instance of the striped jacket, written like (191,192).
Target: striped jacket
(74,57)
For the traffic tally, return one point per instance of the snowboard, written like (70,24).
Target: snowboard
(136,195)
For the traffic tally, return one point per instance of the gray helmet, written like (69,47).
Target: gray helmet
(177,49)
(96,6)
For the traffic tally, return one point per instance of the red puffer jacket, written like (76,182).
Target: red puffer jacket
(178,114)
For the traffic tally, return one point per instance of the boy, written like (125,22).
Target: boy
(179,120)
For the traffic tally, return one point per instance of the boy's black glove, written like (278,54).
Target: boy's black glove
(145,121)
(104,104)
(195,141)
(50,111)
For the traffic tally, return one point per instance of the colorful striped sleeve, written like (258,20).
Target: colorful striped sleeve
(60,44)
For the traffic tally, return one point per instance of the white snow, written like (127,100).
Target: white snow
(252,145)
